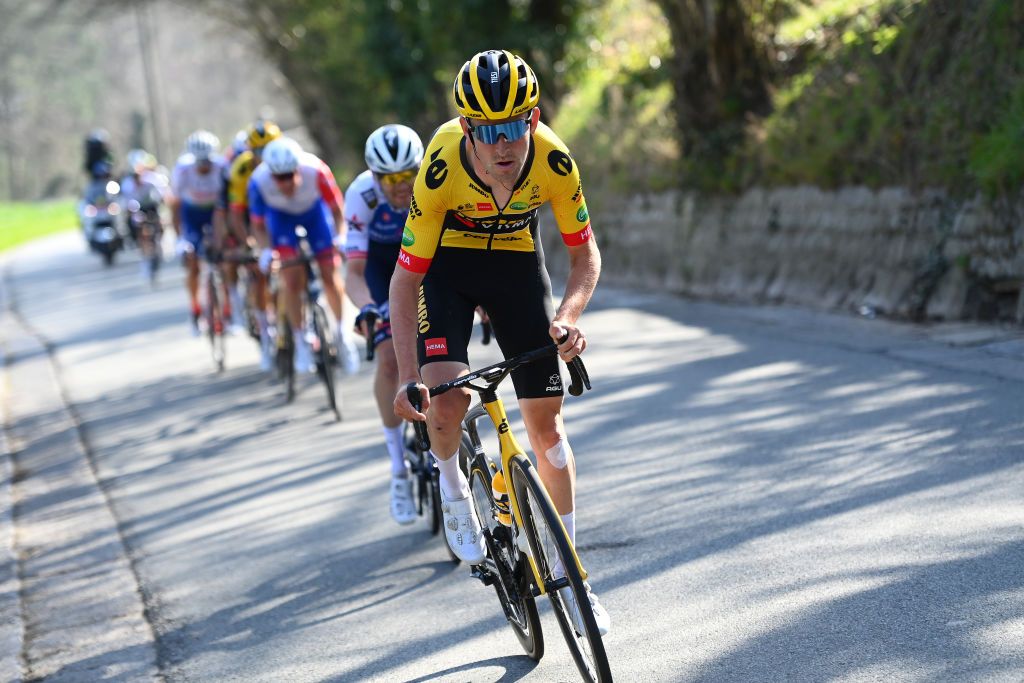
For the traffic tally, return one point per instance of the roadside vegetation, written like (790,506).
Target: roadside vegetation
(21,222)
(714,95)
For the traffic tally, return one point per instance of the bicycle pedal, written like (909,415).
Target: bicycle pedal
(478,572)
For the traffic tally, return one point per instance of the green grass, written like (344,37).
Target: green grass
(21,222)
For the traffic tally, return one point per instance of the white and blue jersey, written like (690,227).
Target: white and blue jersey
(199,193)
(374,233)
(310,205)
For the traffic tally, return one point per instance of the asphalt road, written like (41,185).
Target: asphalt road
(764,494)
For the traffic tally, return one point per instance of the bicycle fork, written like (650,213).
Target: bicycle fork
(509,448)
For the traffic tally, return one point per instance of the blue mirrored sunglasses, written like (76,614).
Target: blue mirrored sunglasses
(489,133)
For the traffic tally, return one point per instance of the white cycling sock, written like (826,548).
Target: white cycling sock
(261,322)
(453,481)
(569,521)
(396,449)
(237,307)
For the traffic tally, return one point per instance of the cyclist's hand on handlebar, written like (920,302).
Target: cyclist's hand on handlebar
(367,319)
(405,410)
(569,338)
(266,257)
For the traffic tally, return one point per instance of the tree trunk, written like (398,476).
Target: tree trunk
(721,74)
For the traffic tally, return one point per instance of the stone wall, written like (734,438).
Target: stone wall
(890,252)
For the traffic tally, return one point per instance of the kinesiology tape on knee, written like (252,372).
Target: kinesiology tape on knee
(559,454)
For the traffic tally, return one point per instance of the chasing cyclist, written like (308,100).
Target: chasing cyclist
(292,188)
(471,240)
(197,184)
(376,207)
(257,137)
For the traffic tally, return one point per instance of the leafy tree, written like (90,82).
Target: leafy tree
(722,67)
(355,65)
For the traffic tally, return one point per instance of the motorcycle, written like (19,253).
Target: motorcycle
(101,219)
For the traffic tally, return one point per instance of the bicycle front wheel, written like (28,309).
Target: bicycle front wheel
(215,322)
(505,561)
(325,358)
(286,357)
(552,553)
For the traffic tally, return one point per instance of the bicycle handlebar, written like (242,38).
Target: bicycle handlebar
(493,375)
(371,320)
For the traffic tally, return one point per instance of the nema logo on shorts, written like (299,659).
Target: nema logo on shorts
(408,239)
(438,346)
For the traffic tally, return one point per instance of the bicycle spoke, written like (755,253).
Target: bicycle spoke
(507,567)
(551,551)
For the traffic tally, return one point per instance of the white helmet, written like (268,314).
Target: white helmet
(393,148)
(138,158)
(202,144)
(282,155)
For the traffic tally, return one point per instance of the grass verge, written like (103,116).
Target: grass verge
(21,222)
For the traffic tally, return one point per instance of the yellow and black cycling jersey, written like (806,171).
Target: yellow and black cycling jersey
(238,179)
(452,207)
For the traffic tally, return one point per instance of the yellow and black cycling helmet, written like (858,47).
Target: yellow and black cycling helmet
(261,133)
(494,85)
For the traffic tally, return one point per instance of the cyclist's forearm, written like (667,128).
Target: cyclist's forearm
(259,231)
(584,271)
(355,283)
(402,302)
(219,227)
(176,216)
(236,223)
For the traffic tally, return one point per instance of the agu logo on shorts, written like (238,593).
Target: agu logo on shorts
(438,346)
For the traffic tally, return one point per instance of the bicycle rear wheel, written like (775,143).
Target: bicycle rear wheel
(325,357)
(551,551)
(505,561)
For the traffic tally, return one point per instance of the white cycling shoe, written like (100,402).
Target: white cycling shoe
(604,622)
(304,358)
(349,352)
(403,509)
(462,529)
(266,354)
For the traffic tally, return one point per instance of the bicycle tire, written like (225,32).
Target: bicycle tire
(325,359)
(507,563)
(549,545)
(286,358)
(215,324)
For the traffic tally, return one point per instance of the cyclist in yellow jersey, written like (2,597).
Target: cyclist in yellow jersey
(471,240)
(260,134)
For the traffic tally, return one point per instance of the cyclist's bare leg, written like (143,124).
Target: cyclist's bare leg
(230,278)
(334,290)
(192,280)
(444,419)
(385,383)
(294,280)
(555,462)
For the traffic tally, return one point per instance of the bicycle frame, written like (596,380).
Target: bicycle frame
(509,447)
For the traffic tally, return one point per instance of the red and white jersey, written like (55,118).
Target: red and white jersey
(197,189)
(316,183)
